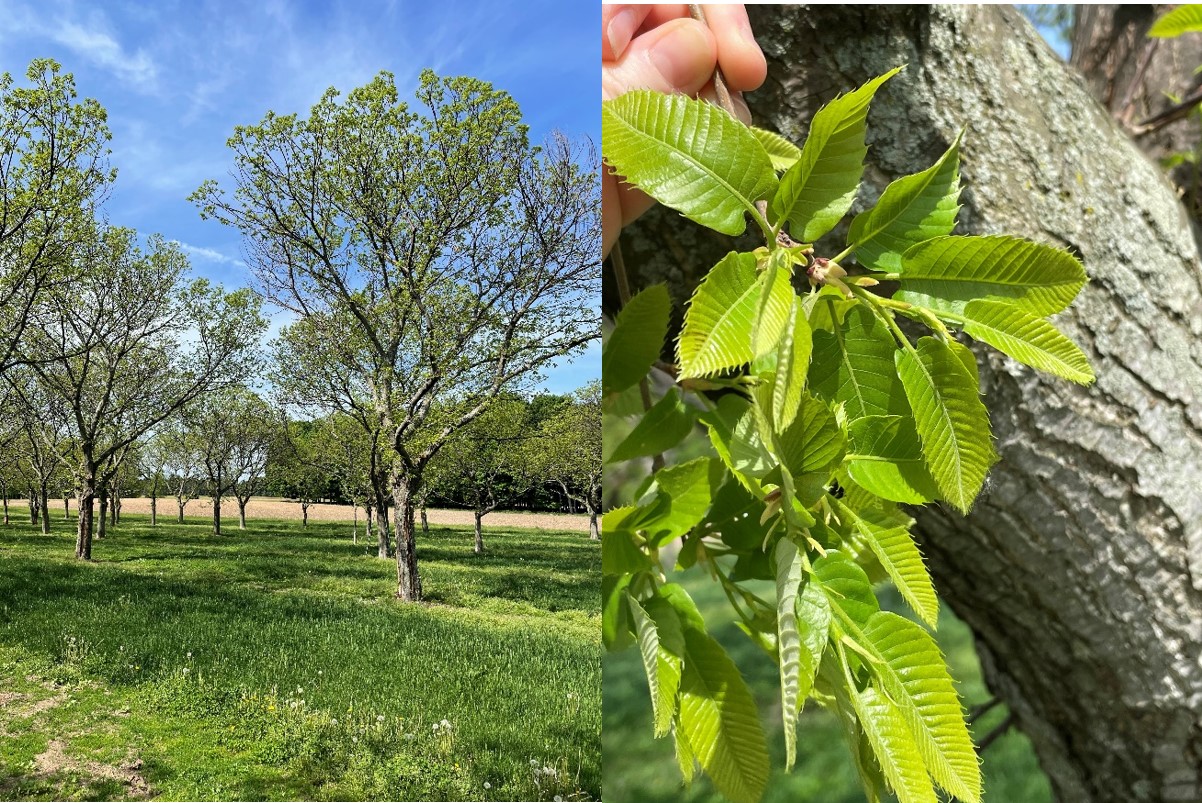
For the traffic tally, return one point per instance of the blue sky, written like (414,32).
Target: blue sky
(177,76)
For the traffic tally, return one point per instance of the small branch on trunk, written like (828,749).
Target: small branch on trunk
(993,735)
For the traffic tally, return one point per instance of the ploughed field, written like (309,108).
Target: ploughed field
(264,507)
(274,663)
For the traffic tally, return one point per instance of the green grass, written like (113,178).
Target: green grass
(639,767)
(275,664)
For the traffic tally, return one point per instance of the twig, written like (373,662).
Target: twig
(983,709)
(996,733)
(1169,115)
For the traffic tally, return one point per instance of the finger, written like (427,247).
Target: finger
(678,56)
(621,205)
(740,56)
(619,23)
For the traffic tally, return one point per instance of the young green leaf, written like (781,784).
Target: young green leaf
(1183,19)
(783,153)
(663,667)
(911,209)
(615,615)
(689,155)
(1027,338)
(814,623)
(889,539)
(819,189)
(718,322)
(946,273)
(792,367)
(718,717)
(664,426)
(795,663)
(690,487)
(854,365)
(845,585)
(894,746)
(950,418)
(811,448)
(635,342)
(913,674)
(886,459)
(619,554)
(775,305)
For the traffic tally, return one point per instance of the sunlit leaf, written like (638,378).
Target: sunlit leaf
(635,342)
(1029,339)
(819,189)
(689,155)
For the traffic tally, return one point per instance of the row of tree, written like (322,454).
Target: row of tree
(233,443)
(435,261)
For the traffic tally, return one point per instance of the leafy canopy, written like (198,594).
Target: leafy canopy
(823,415)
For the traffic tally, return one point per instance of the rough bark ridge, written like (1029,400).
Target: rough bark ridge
(1080,569)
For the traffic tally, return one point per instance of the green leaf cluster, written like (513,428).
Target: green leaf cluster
(824,415)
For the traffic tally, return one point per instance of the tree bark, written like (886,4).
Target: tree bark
(33,506)
(113,496)
(381,521)
(594,533)
(479,549)
(179,501)
(304,514)
(425,522)
(44,507)
(83,531)
(242,512)
(102,495)
(1080,568)
(66,508)
(409,583)
(154,510)
(216,515)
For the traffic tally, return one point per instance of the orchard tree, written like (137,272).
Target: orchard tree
(321,362)
(53,172)
(347,453)
(570,451)
(41,447)
(298,468)
(153,467)
(182,465)
(488,463)
(232,430)
(129,343)
(463,259)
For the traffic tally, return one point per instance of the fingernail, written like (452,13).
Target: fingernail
(621,30)
(678,54)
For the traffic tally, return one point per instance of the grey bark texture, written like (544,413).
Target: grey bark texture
(1080,568)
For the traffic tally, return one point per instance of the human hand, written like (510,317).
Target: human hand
(660,47)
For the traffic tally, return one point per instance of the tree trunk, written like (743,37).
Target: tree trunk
(425,522)
(594,533)
(355,526)
(33,506)
(66,508)
(44,507)
(479,534)
(381,521)
(409,583)
(5,494)
(83,531)
(217,515)
(103,496)
(154,510)
(179,500)
(113,507)
(242,512)
(304,514)
(1080,568)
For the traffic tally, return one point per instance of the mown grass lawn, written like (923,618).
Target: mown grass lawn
(274,663)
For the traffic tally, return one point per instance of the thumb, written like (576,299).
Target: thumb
(678,56)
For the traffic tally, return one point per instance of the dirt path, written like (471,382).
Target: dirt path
(270,508)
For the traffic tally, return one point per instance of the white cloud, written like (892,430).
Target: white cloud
(208,254)
(95,44)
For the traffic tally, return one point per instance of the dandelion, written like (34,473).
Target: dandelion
(299,690)
(558,799)
(186,670)
(122,648)
(487,785)
(534,763)
(333,722)
(409,737)
(189,655)
(379,717)
(319,671)
(355,740)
